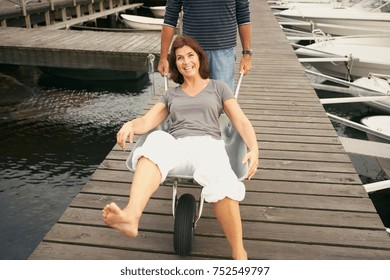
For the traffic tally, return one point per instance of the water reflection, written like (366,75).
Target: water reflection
(50,144)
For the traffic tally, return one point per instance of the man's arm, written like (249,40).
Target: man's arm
(245,37)
(167,34)
(172,11)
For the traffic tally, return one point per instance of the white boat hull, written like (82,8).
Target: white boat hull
(158,11)
(381,124)
(369,54)
(382,86)
(341,22)
(142,23)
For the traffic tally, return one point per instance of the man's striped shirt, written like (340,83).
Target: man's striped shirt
(213,23)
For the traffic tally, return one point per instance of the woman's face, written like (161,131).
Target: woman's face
(187,61)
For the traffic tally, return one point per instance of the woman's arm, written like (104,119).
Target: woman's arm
(156,115)
(245,129)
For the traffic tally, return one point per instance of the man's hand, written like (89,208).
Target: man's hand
(245,64)
(163,67)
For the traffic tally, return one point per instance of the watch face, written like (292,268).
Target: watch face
(247,52)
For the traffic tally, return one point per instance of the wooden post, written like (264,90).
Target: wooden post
(3,23)
(23,4)
(90,8)
(27,21)
(77,8)
(63,14)
(78,11)
(47,18)
(24,13)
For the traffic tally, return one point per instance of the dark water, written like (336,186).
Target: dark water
(50,144)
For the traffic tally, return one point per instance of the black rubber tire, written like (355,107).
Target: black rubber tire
(184,230)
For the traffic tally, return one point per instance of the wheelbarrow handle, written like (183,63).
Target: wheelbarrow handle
(165,82)
(238,85)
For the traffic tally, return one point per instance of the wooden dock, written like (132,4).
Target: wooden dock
(53,46)
(78,49)
(305,202)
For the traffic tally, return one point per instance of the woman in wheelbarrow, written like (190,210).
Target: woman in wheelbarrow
(193,141)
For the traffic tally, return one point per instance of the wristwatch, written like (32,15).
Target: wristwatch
(247,52)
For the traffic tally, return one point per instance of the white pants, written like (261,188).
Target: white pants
(202,156)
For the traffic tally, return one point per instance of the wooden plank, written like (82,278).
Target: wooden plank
(286,118)
(283,200)
(63,251)
(285,112)
(207,246)
(303,125)
(294,131)
(302,155)
(285,216)
(269,174)
(264,214)
(295,139)
(331,190)
(307,234)
(282,146)
(279,164)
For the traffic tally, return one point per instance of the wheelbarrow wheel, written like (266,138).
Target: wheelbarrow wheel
(185,215)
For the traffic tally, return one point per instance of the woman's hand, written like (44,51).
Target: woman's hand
(253,158)
(126,132)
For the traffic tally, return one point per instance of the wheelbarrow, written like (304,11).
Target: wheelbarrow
(185,211)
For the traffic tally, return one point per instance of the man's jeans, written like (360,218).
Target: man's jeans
(222,65)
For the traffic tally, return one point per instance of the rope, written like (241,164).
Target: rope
(348,64)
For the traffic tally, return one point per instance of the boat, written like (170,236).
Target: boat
(376,82)
(348,57)
(339,20)
(157,11)
(381,124)
(142,22)
(290,4)
(379,84)
(372,90)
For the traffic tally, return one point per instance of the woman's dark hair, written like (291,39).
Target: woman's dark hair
(179,42)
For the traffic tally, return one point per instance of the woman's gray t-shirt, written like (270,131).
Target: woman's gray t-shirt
(197,115)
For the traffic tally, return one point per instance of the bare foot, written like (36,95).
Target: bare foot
(118,219)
